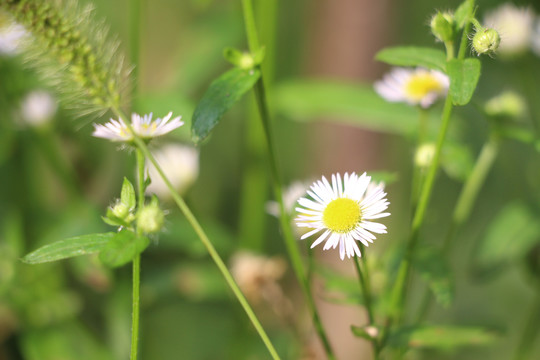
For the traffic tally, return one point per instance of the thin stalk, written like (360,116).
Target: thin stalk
(366,293)
(290,241)
(464,205)
(530,331)
(137,264)
(141,145)
(418,171)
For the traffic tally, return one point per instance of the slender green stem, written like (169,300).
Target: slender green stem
(141,145)
(530,331)
(285,224)
(137,264)
(366,294)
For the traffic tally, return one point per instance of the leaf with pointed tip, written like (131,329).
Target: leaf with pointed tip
(75,246)
(413,56)
(464,75)
(127,196)
(464,13)
(222,94)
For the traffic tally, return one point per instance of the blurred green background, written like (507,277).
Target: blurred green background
(56,181)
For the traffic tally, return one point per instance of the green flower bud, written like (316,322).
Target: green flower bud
(442,26)
(507,103)
(150,218)
(486,41)
(424,155)
(120,210)
(246,61)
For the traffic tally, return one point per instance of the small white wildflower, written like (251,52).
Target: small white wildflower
(181,165)
(38,107)
(343,211)
(144,127)
(11,35)
(414,86)
(290,196)
(515,26)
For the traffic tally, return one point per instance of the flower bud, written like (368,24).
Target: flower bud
(424,155)
(507,104)
(442,26)
(120,210)
(150,218)
(246,61)
(486,41)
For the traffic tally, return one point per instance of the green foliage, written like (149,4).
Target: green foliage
(413,56)
(511,234)
(356,105)
(127,195)
(433,268)
(63,249)
(122,248)
(440,337)
(457,160)
(464,75)
(222,94)
(464,14)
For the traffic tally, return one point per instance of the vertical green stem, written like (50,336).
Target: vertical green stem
(140,144)
(290,241)
(530,331)
(137,263)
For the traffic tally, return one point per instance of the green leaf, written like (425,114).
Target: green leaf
(510,235)
(440,337)
(122,248)
(352,104)
(464,13)
(464,75)
(457,160)
(232,55)
(434,270)
(127,196)
(63,249)
(413,56)
(222,94)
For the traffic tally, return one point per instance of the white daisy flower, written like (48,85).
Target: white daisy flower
(414,86)
(144,127)
(343,211)
(38,107)
(181,165)
(515,26)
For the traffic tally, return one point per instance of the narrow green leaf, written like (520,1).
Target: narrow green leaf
(510,236)
(413,56)
(440,337)
(464,75)
(222,94)
(434,270)
(353,104)
(63,249)
(464,13)
(127,196)
(122,248)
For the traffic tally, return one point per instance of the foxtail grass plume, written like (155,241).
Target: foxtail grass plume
(343,211)
(71,50)
(414,86)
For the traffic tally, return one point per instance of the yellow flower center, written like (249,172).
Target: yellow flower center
(419,85)
(342,215)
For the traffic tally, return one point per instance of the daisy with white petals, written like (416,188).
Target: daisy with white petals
(144,127)
(343,210)
(413,86)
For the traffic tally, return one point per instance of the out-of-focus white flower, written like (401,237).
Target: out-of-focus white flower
(258,275)
(38,107)
(424,155)
(181,165)
(11,35)
(508,103)
(414,86)
(515,27)
(343,212)
(290,196)
(144,127)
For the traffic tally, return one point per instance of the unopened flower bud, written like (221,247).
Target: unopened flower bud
(424,155)
(506,104)
(442,26)
(246,61)
(150,218)
(120,210)
(486,41)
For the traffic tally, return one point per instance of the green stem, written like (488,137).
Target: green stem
(141,145)
(530,332)
(137,264)
(285,224)
(363,278)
